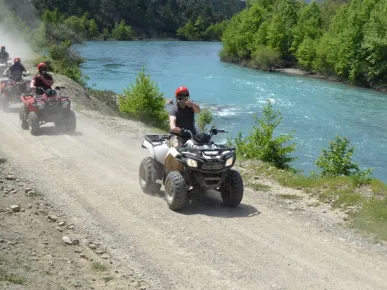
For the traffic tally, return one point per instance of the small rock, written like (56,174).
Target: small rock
(2,240)
(15,208)
(14,191)
(31,192)
(100,252)
(67,240)
(105,256)
(70,227)
(61,224)
(29,206)
(75,242)
(59,229)
(82,255)
(27,190)
(52,218)
(143,288)
(10,177)
(92,246)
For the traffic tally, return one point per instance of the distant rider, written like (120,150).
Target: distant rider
(4,56)
(16,70)
(43,79)
(182,115)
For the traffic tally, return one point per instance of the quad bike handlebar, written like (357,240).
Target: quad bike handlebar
(212,132)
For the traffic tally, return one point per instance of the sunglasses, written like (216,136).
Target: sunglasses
(183,97)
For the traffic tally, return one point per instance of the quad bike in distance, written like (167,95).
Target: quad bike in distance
(4,65)
(46,106)
(198,164)
(11,90)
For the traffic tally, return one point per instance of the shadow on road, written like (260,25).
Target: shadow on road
(209,203)
(12,111)
(52,131)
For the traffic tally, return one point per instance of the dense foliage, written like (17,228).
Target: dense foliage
(147,18)
(347,39)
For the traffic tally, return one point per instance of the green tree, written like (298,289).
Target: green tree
(144,101)
(205,117)
(337,159)
(262,144)
(93,31)
(121,31)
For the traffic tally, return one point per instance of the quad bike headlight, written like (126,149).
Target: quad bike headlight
(192,163)
(229,161)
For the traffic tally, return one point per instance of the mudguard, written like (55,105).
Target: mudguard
(147,145)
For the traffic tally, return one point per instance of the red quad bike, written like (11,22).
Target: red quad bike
(51,106)
(11,90)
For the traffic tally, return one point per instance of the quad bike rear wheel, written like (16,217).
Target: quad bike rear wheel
(23,119)
(232,189)
(33,123)
(70,122)
(5,104)
(175,190)
(145,177)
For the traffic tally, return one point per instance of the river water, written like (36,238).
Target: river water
(315,109)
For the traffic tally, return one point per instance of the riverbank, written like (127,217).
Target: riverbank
(302,73)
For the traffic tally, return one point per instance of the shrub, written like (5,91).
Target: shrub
(204,118)
(108,97)
(337,159)
(121,31)
(261,143)
(144,101)
(266,58)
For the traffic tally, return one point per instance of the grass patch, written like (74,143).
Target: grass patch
(107,279)
(99,267)
(367,202)
(260,187)
(372,218)
(12,279)
(289,196)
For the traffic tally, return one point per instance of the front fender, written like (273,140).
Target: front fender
(147,145)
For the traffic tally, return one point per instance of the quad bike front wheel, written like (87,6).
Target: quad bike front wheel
(23,119)
(232,189)
(175,190)
(145,177)
(33,123)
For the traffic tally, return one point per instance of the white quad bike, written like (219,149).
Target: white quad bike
(199,163)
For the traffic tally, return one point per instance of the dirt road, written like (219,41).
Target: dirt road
(93,176)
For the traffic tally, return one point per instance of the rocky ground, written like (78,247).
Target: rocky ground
(40,248)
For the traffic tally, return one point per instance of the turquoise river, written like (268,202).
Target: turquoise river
(316,109)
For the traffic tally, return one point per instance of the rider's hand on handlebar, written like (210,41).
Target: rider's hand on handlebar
(176,130)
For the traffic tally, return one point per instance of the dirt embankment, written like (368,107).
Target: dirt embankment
(89,192)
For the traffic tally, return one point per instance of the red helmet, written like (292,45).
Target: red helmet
(181,90)
(16,59)
(3,47)
(40,65)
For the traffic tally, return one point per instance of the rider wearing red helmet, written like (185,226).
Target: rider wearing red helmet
(16,70)
(4,56)
(43,79)
(182,114)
